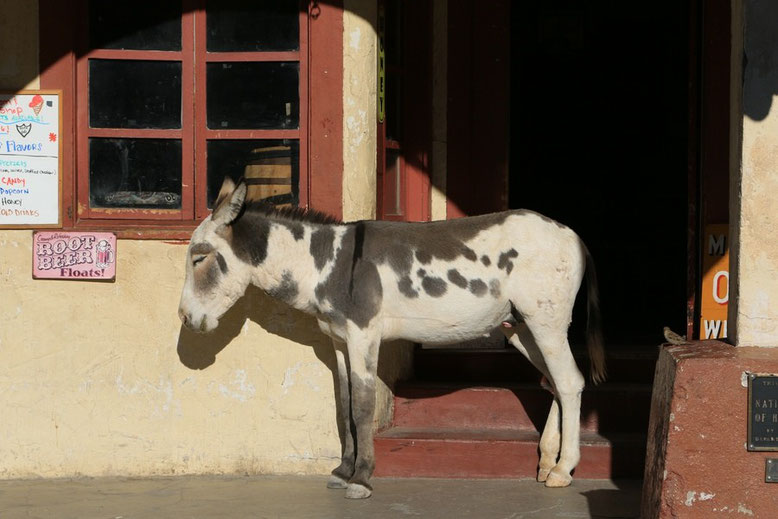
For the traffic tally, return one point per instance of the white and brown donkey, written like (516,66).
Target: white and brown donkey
(436,282)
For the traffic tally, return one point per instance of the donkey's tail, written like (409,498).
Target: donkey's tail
(594,341)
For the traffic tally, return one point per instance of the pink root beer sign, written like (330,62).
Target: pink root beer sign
(86,256)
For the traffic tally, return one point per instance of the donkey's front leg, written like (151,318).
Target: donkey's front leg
(342,474)
(363,359)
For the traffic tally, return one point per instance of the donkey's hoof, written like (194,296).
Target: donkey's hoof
(357,491)
(337,482)
(558,479)
(543,475)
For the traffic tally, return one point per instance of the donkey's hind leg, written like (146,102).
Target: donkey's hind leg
(568,383)
(521,338)
(549,442)
(342,474)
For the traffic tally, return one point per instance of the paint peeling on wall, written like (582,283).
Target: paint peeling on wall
(359,110)
(754,282)
(239,388)
(355,35)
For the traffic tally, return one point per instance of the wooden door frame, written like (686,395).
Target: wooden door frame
(708,137)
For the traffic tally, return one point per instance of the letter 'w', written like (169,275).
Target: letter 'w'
(712,329)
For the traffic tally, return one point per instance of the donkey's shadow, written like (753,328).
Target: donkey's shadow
(198,351)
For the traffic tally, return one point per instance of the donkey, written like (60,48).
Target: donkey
(434,283)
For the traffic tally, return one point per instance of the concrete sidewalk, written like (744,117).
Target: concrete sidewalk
(307,497)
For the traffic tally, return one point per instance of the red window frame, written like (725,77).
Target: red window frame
(194,132)
(203,134)
(320,133)
(389,192)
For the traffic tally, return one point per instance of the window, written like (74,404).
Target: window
(172,97)
(404,125)
(392,178)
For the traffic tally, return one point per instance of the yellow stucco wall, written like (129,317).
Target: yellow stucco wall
(753,310)
(360,94)
(360,56)
(99,378)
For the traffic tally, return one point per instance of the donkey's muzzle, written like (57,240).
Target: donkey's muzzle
(186,319)
(202,325)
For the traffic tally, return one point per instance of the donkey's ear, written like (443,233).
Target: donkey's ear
(229,202)
(228,186)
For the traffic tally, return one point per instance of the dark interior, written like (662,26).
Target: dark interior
(598,141)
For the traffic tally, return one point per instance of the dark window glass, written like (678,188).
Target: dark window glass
(394,70)
(135,173)
(134,94)
(252,25)
(135,24)
(393,31)
(253,95)
(394,114)
(393,183)
(271,168)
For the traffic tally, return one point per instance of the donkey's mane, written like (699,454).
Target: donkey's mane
(295,214)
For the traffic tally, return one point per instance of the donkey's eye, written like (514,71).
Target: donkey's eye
(197,260)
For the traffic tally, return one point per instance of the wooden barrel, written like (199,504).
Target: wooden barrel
(268,175)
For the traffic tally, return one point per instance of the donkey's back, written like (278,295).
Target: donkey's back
(443,282)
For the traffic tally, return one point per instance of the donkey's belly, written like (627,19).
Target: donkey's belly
(436,327)
(431,333)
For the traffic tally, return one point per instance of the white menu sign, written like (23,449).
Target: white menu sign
(30,159)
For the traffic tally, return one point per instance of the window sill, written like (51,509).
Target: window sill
(134,230)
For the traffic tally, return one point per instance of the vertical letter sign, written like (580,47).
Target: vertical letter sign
(714,296)
(30,158)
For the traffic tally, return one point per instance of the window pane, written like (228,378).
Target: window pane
(135,173)
(393,34)
(394,70)
(271,168)
(253,95)
(134,94)
(253,25)
(135,24)
(393,183)
(394,112)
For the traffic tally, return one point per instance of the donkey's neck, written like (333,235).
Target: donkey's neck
(298,257)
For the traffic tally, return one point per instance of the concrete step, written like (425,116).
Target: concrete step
(490,453)
(508,365)
(610,407)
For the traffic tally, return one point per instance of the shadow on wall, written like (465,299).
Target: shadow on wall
(199,351)
(760,58)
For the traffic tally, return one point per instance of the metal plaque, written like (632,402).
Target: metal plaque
(762,412)
(771,470)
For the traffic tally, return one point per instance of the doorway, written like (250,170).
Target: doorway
(598,141)
(577,110)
